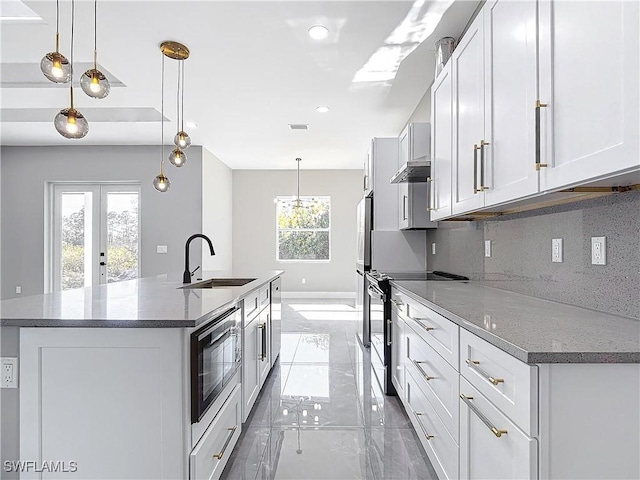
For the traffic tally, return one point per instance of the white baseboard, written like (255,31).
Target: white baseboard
(318,294)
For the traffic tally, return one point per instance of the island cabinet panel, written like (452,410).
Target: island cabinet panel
(250,373)
(264,348)
(111,400)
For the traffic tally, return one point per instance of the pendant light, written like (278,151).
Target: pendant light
(177,157)
(69,122)
(54,65)
(162,183)
(182,139)
(93,81)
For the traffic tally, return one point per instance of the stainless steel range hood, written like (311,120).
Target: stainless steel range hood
(413,172)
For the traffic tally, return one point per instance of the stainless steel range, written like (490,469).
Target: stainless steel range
(379,299)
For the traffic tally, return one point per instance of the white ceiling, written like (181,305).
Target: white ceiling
(253,70)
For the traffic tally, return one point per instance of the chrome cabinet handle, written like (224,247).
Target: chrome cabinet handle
(498,433)
(418,415)
(263,343)
(475,169)
(405,200)
(389,342)
(232,430)
(397,303)
(483,187)
(422,372)
(539,165)
(419,322)
(473,365)
(431,198)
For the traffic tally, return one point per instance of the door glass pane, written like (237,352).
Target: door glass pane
(76,240)
(122,236)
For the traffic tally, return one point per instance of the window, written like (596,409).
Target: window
(303,230)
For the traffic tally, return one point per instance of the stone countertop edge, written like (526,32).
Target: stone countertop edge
(127,322)
(520,353)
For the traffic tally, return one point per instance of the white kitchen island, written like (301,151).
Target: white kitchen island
(105,379)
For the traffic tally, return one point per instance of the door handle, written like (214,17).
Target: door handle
(483,187)
(431,198)
(475,169)
(539,165)
(389,342)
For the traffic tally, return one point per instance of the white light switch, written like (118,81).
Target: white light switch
(487,248)
(161,249)
(18,289)
(598,250)
(556,250)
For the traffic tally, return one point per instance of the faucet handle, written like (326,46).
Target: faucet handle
(195,270)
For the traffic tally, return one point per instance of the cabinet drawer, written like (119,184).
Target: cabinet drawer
(438,380)
(208,458)
(509,384)
(264,295)
(441,449)
(437,331)
(252,306)
(491,446)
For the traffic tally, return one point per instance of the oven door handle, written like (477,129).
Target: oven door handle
(374,291)
(220,338)
(215,323)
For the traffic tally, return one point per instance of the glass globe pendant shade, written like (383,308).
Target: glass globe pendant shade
(56,67)
(70,123)
(95,84)
(161,183)
(177,158)
(182,140)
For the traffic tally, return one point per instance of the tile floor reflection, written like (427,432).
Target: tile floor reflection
(321,414)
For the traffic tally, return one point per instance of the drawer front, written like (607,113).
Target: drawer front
(506,454)
(508,383)
(264,295)
(437,331)
(252,306)
(438,379)
(208,458)
(441,449)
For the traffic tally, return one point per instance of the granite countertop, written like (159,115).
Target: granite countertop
(531,329)
(151,302)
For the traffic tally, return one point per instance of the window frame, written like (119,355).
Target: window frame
(291,198)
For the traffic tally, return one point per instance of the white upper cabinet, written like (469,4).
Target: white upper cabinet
(468,119)
(510,96)
(589,81)
(441,144)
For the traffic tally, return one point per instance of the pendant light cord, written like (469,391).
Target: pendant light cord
(162,117)
(95,34)
(73,21)
(57,25)
(178,100)
(182,90)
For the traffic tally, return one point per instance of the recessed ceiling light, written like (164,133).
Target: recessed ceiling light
(322,109)
(192,125)
(318,32)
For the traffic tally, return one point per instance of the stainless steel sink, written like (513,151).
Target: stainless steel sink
(220,283)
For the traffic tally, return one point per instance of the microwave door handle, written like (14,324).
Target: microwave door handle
(223,336)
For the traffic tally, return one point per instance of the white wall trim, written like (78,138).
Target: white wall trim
(318,294)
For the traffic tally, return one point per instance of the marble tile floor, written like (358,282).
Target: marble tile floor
(321,415)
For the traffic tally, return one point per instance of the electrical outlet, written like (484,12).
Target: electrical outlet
(18,289)
(598,250)
(556,250)
(9,372)
(487,248)
(304,280)
(161,249)
(433,248)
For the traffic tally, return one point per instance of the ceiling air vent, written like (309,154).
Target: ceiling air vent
(298,126)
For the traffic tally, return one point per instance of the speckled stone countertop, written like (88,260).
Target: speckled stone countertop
(531,329)
(149,302)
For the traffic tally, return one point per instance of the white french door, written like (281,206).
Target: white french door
(94,234)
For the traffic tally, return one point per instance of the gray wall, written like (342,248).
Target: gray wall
(254,225)
(521,253)
(166,219)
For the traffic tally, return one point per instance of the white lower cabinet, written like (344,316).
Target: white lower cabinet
(208,458)
(440,446)
(491,446)
(397,353)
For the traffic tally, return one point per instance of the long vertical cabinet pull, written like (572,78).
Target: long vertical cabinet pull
(483,187)
(389,341)
(539,165)
(405,200)
(263,342)
(431,196)
(475,169)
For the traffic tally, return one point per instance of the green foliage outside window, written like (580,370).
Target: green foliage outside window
(304,229)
